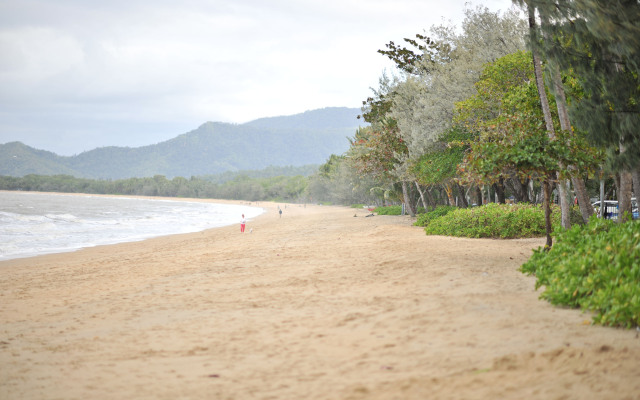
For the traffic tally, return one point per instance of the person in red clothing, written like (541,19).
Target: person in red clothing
(243,222)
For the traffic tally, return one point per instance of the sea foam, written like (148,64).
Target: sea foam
(41,223)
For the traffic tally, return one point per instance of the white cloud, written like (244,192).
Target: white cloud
(31,56)
(120,66)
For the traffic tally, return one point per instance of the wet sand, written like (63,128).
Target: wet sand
(321,303)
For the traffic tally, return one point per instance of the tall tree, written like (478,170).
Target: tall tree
(424,104)
(544,103)
(557,87)
(511,141)
(586,209)
(481,112)
(450,63)
(600,41)
(379,149)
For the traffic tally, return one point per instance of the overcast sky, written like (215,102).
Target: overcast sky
(81,74)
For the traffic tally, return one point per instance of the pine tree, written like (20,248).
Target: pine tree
(599,40)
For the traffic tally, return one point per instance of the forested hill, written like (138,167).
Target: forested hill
(213,148)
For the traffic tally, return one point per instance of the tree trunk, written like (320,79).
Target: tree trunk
(584,202)
(519,189)
(478,196)
(602,208)
(463,197)
(565,125)
(565,204)
(449,190)
(537,70)
(624,196)
(499,188)
(635,177)
(430,199)
(424,203)
(547,212)
(407,199)
(546,110)
(524,188)
(586,209)
(532,194)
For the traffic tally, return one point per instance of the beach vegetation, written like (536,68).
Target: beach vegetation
(490,112)
(336,182)
(595,267)
(395,210)
(499,221)
(408,144)
(241,187)
(425,218)
(389,210)
(468,121)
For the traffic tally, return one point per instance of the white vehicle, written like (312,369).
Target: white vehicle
(612,208)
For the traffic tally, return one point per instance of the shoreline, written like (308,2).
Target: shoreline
(321,303)
(152,198)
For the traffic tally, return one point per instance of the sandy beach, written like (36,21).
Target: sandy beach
(320,303)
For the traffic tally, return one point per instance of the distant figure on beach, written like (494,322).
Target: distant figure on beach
(243,222)
(280,213)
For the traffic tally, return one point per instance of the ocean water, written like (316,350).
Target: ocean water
(41,223)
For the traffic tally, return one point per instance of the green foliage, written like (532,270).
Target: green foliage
(377,107)
(330,168)
(513,139)
(337,182)
(599,41)
(375,152)
(408,59)
(595,267)
(425,219)
(441,164)
(504,221)
(496,81)
(241,188)
(389,210)
(393,210)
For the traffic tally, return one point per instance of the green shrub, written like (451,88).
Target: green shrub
(595,267)
(505,221)
(389,210)
(394,210)
(426,218)
(357,206)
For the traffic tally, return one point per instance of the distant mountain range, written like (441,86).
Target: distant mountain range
(213,148)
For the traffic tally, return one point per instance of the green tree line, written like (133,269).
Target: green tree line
(539,109)
(241,187)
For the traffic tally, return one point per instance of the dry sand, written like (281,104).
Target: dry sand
(318,304)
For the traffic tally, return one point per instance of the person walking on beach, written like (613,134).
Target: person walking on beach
(243,222)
